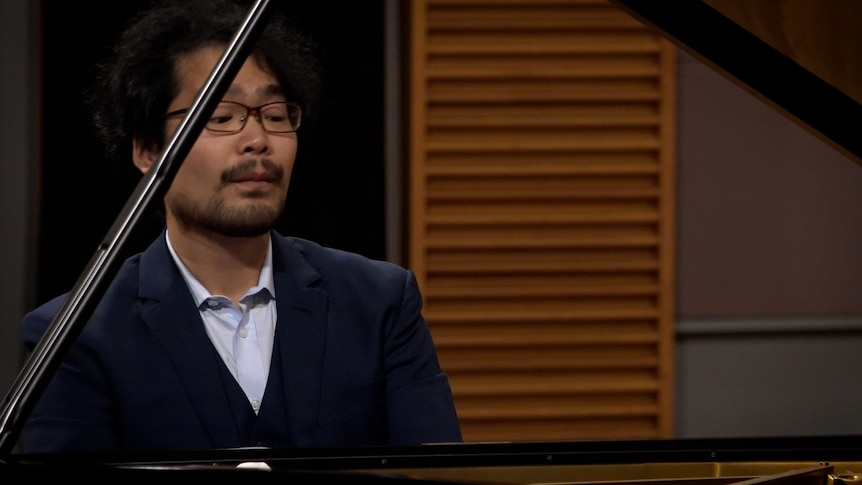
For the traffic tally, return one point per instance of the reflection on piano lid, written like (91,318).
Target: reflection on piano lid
(763,59)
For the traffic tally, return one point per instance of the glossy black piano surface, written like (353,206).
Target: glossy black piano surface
(826,460)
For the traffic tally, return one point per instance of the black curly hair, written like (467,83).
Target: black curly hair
(133,90)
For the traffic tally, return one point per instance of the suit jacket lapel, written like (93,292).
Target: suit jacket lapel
(301,337)
(173,318)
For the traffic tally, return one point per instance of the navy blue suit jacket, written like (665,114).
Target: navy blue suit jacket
(353,363)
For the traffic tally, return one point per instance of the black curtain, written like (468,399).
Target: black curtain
(336,196)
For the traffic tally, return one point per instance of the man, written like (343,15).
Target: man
(223,333)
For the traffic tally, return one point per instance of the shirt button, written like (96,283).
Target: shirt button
(255,404)
(243,332)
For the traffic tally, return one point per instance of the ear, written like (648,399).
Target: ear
(144,157)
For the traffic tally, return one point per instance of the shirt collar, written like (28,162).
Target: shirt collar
(201,294)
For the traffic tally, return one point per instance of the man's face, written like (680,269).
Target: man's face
(229,184)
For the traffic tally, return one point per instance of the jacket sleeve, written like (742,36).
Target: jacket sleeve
(58,423)
(419,399)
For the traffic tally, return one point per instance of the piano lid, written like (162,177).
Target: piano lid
(799,56)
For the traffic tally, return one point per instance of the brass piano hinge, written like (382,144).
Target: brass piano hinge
(847,477)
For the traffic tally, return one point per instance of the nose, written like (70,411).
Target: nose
(254,139)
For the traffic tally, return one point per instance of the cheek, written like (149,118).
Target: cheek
(290,149)
(199,168)
(185,183)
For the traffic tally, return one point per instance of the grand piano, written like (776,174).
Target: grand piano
(817,99)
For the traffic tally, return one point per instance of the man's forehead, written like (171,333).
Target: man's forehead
(269,89)
(194,67)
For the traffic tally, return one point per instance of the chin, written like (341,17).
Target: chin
(249,221)
(246,231)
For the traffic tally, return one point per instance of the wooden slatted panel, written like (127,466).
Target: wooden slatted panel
(541,218)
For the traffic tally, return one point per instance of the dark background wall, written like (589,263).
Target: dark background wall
(20,149)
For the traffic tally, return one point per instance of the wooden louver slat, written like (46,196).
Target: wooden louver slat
(541,214)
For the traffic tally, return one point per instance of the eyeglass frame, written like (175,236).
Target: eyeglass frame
(249,110)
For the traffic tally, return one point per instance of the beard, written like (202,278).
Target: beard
(252,219)
(254,216)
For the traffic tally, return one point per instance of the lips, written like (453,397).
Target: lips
(255,177)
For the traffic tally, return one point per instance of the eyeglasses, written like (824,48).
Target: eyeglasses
(230,117)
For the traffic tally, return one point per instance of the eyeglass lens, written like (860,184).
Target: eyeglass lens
(279,117)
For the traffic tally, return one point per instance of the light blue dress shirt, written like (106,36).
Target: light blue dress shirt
(243,336)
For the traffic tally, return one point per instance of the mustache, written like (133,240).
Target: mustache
(248,169)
